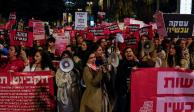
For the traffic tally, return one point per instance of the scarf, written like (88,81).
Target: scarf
(92,66)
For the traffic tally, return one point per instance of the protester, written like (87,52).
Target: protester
(68,92)
(185,57)
(40,62)
(172,58)
(123,77)
(94,77)
(92,99)
(50,47)
(14,64)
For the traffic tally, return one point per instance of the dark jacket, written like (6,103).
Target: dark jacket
(124,75)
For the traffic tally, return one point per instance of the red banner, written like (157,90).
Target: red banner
(21,38)
(162,90)
(26,92)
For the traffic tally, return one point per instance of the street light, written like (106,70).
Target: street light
(68,5)
(90,3)
(158,4)
(89,7)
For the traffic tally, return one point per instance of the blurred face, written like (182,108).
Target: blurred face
(129,54)
(189,40)
(80,39)
(37,43)
(37,58)
(51,44)
(144,38)
(172,50)
(73,41)
(12,52)
(84,46)
(69,49)
(99,52)
(183,44)
(156,42)
(92,59)
(103,43)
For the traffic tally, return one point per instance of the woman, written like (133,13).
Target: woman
(50,48)
(83,51)
(93,99)
(14,64)
(172,59)
(123,80)
(68,93)
(40,62)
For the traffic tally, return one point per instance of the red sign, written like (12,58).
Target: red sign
(162,90)
(133,27)
(97,33)
(113,28)
(26,92)
(21,38)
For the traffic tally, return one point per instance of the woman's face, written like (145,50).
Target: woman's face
(51,44)
(156,42)
(38,58)
(129,54)
(80,39)
(103,43)
(172,50)
(183,44)
(84,46)
(144,38)
(99,52)
(12,51)
(92,59)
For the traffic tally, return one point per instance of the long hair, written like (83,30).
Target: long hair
(173,60)
(44,60)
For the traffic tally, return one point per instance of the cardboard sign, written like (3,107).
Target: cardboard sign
(80,20)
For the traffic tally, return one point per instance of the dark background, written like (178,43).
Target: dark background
(52,10)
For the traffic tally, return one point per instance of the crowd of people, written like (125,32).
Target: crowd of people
(95,84)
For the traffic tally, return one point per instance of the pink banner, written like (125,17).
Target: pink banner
(162,90)
(26,92)
(161,29)
(38,31)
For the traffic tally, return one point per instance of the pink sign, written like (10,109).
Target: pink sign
(161,29)
(38,31)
